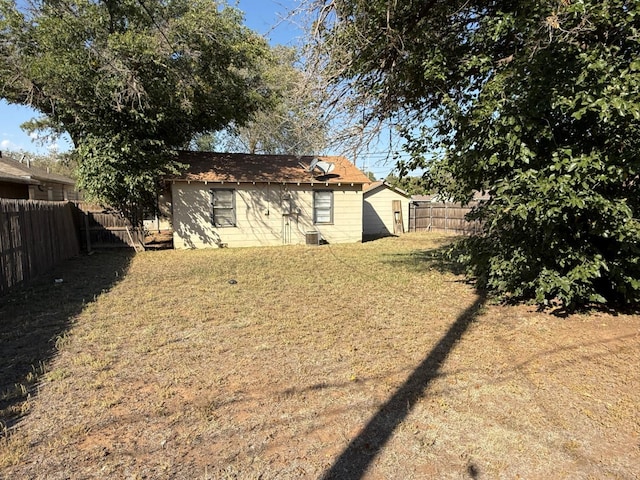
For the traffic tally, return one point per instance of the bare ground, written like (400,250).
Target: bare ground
(348,362)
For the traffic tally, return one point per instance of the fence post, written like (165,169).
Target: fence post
(430,216)
(446,218)
(87,233)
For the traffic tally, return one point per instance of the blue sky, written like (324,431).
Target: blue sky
(267,17)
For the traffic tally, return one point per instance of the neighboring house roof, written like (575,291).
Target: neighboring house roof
(242,167)
(6,177)
(438,198)
(13,170)
(380,184)
(424,198)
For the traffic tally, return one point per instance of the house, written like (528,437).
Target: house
(385,210)
(13,186)
(241,200)
(22,181)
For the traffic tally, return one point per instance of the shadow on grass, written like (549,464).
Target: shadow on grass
(439,258)
(34,318)
(358,456)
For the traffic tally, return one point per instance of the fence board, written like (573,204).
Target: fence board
(100,228)
(441,216)
(34,236)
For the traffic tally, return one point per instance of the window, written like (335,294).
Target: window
(223,204)
(323,206)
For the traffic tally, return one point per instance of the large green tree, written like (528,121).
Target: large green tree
(130,81)
(534,102)
(295,123)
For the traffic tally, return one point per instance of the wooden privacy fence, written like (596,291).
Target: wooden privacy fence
(442,216)
(103,228)
(34,236)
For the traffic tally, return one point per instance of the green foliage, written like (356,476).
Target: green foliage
(411,185)
(130,81)
(293,124)
(106,168)
(536,103)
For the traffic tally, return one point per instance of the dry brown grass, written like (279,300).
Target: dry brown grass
(350,361)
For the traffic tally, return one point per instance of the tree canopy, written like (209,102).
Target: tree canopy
(294,123)
(410,184)
(536,103)
(130,81)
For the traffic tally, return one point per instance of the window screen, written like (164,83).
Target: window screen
(323,206)
(223,208)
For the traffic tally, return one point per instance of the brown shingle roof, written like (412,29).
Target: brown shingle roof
(373,185)
(381,183)
(242,167)
(10,167)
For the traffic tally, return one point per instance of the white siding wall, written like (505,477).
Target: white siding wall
(378,213)
(163,220)
(259,215)
(56,192)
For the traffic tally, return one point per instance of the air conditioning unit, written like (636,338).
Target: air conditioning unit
(313,237)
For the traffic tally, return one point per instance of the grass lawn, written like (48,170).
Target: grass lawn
(343,361)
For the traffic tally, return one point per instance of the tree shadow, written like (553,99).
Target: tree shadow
(35,318)
(441,258)
(266,214)
(358,456)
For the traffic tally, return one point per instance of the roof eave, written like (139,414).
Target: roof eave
(390,187)
(274,181)
(20,180)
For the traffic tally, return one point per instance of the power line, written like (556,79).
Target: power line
(153,20)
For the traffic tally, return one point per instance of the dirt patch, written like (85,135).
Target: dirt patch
(360,361)
(158,240)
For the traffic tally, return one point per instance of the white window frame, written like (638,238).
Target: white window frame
(220,206)
(320,210)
